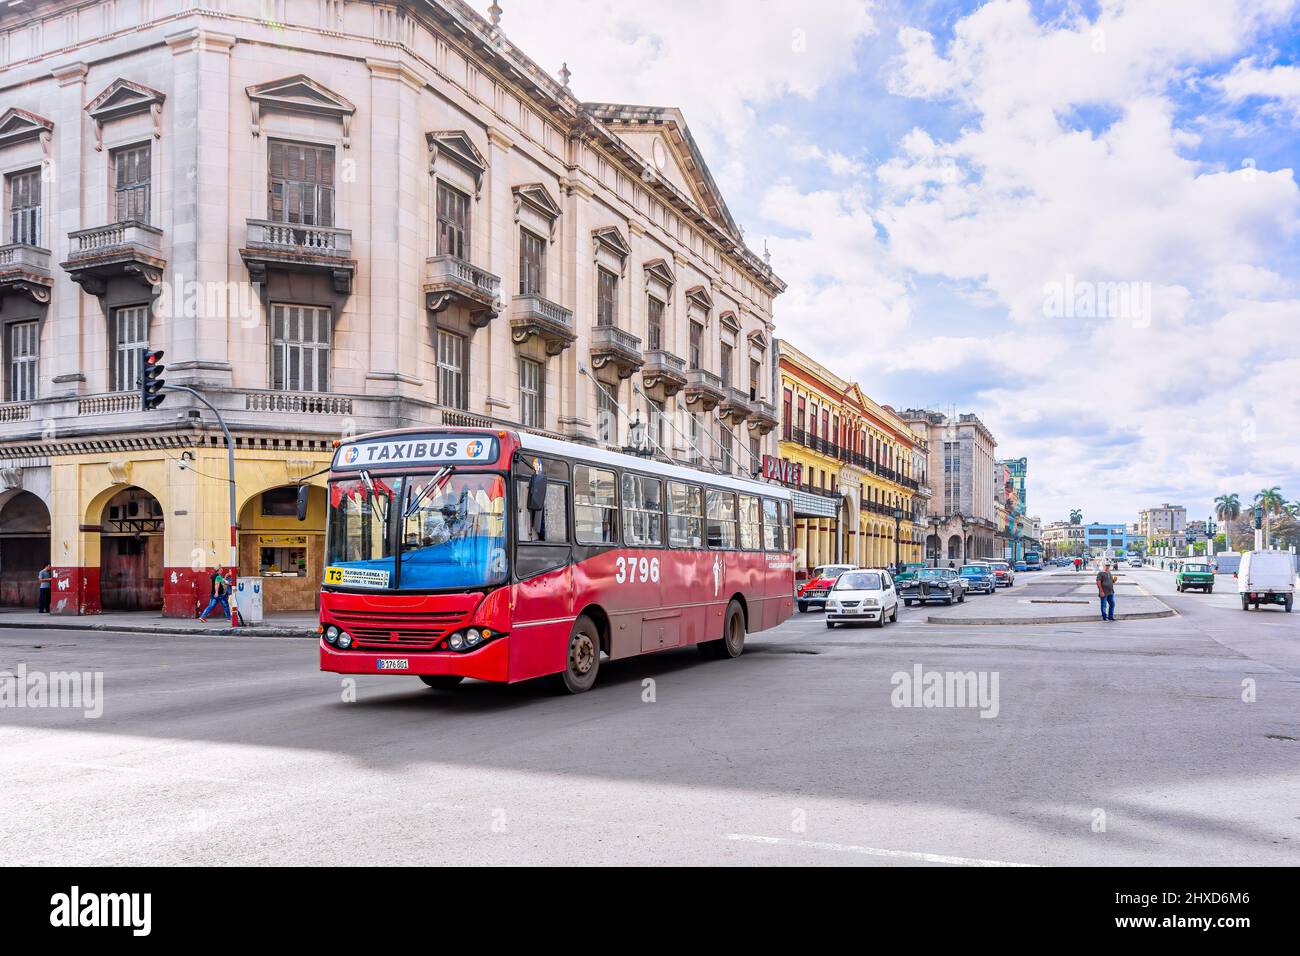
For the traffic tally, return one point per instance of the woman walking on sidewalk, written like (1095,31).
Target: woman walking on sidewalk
(220,596)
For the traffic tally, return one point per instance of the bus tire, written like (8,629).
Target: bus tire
(582,658)
(732,642)
(441,681)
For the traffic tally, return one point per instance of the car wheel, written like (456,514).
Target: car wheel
(948,601)
(1245,603)
(582,662)
(732,642)
(961,598)
(1288,602)
(829,625)
(1209,590)
(880,621)
(907,602)
(441,681)
(894,616)
(803,607)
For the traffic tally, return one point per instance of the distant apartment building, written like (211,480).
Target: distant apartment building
(1167,523)
(963,502)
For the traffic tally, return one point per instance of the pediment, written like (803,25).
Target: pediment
(612,240)
(659,269)
(538,198)
(20,126)
(700,296)
(456,146)
(728,320)
(757,339)
(300,94)
(123,98)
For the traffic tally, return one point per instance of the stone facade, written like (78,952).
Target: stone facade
(337,216)
(962,517)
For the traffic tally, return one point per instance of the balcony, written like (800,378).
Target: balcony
(762,418)
(703,389)
(532,315)
(25,270)
(451,281)
(295,248)
(663,375)
(735,405)
(121,250)
(613,348)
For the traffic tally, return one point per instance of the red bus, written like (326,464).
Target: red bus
(505,556)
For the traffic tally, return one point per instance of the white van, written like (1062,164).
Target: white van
(1266,577)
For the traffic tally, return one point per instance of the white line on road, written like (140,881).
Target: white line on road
(870,851)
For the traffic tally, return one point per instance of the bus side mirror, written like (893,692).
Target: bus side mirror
(537,492)
(301,504)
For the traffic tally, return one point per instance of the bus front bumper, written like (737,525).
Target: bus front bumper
(490,662)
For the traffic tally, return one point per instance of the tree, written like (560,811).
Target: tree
(1076,516)
(1227,508)
(1270,500)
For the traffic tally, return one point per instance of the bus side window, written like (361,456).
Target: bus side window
(643,511)
(722,520)
(550,525)
(771,526)
(751,528)
(594,505)
(787,532)
(685,515)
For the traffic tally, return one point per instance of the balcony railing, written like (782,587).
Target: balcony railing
(703,388)
(534,315)
(112,403)
(297,403)
(612,347)
(117,235)
(293,247)
(128,249)
(15,412)
(25,269)
(663,373)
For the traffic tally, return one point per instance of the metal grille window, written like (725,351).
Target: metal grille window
(24,357)
(301,187)
(655,322)
(532,263)
(25,207)
(300,348)
(130,335)
(453,222)
(451,370)
(530,393)
(643,511)
(131,181)
(606,297)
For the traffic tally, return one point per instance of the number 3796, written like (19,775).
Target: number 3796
(636,570)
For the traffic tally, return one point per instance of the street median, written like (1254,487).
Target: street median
(1038,604)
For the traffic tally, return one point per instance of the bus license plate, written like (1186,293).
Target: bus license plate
(393,664)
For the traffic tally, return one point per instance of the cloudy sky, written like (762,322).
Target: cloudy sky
(1076,219)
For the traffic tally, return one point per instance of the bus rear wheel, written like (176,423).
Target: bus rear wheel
(732,642)
(582,662)
(441,681)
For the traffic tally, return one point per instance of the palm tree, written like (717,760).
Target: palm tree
(1228,509)
(1272,502)
(1076,516)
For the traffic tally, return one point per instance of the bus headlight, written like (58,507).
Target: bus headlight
(457,641)
(472,637)
(345,640)
(331,635)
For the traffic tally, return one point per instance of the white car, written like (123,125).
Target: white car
(864,595)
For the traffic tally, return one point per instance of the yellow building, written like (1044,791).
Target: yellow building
(859,470)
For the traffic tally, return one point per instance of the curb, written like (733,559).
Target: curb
(251,631)
(1075,619)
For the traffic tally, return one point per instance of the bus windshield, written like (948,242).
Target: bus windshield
(448,529)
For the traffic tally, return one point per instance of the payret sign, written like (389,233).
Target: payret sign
(779,469)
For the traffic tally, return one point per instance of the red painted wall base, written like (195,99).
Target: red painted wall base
(76,591)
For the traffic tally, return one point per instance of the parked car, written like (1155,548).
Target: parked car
(1266,577)
(977,577)
(1003,576)
(862,596)
(908,572)
(815,589)
(1195,574)
(933,585)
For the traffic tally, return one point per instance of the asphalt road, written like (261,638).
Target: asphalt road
(1125,743)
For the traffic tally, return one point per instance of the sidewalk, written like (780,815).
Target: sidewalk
(275,624)
(1063,604)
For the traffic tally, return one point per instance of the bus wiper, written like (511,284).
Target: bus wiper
(431,488)
(374,495)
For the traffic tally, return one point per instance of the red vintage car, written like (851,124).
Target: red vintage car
(814,590)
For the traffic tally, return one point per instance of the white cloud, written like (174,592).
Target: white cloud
(1275,82)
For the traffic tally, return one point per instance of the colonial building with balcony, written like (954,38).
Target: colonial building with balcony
(861,494)
(333,217)
(963,520)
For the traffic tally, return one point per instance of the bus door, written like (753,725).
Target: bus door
(543,566)
(640,569)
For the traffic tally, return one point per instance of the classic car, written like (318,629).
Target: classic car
(933,585)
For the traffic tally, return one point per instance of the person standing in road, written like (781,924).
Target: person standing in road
(220,596)
(46,579)
(1106,592)
(1078,563)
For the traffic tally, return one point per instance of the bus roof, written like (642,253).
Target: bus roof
(578,450)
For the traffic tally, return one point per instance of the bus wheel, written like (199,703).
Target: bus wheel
(441,681)
(583,660)
(732,642)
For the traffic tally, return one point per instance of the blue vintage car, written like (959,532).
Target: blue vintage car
(977,577)
(1021,566)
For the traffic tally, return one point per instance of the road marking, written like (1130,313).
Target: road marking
(870,851)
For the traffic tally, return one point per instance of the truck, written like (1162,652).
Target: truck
(1266,577)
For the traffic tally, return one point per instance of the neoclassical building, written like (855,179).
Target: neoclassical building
(862,470)
(334,216)
(963,520)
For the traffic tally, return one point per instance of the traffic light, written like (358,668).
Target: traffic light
(151,368)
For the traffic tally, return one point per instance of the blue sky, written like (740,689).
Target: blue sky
(928,174)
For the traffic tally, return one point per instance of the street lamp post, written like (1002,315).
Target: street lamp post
(898,530)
